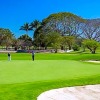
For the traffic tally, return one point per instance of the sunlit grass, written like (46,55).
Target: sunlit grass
(24,79)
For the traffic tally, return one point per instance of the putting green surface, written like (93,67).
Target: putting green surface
(20,71)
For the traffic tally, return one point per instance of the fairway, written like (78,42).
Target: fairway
(24,79)
(45,70)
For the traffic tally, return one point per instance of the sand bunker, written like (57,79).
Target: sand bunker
(94,61)
(89,92)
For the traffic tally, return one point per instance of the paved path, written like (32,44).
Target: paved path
(89,92)
(6,51)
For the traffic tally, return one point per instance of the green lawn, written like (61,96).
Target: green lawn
(51,56)
(45,70)
(24,79)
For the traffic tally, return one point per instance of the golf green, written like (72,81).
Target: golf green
(20,71)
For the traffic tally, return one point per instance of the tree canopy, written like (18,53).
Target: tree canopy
(62,30)
(63,23)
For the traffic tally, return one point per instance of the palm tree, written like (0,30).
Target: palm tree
(26,27)
(35,24)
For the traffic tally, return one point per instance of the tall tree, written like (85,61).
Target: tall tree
(91,29)
(92,45)
(68,41)
(35,25)
(54,39)
(6,37)
(26,41)
(40,41)
(63,23)
(26,27)
(25,37)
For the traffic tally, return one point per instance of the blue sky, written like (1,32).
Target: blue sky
(14,13)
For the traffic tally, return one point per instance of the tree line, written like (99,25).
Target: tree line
(61,30)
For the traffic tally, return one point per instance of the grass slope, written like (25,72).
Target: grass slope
(30,91)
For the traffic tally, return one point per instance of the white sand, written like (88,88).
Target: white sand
(93,61)
(89,92)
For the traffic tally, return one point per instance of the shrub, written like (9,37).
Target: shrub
(75,47)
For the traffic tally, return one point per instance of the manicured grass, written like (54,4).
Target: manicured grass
(24,79)
(44,70)
(51,56)
(30,91)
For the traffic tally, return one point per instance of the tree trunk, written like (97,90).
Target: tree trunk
(6,47)
(93,51)
(62,47)
(69,47)
(45,47)
(83,49)
(56,50)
